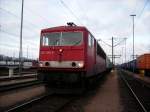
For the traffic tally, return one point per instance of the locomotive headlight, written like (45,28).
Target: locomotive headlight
(81,64)
(41,64)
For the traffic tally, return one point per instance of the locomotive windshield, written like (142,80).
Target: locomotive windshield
(62,39)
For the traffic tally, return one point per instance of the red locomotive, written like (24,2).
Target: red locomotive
(70,54)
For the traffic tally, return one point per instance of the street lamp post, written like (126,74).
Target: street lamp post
(133,15)
(20,50)
(112,52)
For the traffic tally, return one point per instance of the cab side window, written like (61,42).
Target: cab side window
(90,40)
(45,41)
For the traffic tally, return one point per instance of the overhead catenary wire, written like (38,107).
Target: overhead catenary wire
(17,17)
(120,42)
(143,8)
(15,35)
(11,34)
(111,45)
(8,12)
(70,10)
(9,45)
(105,42)
(36,14)
(14,45)
(33,13)
(141,12)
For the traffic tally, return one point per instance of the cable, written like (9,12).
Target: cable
(11,34)
(10,13)
(30,11)
(63,3)
(9,45)
(34,13)
(143,8)
(105,43)
(15,35)
(119,42)
(141,12)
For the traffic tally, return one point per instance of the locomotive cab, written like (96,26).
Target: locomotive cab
(62,54)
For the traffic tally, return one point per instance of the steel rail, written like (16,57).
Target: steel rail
(135,96)
(18,77)
(23,105)
(146,84)
(17,107)
(9,87)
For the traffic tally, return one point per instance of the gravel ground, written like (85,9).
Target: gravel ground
(9,99)
(111,95)
(3,83)
(105,98)
(141,91)
(49,104)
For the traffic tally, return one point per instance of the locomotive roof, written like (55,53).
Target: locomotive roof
(64,28)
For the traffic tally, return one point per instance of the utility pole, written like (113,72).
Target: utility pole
(112,52)
(116,56)
(112,46)
(27,52)
(133,15)
(125,49)
(20,50)
(122,55)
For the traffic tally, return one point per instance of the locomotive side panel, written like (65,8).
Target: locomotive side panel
(100,59)
(96,57)
(91,56)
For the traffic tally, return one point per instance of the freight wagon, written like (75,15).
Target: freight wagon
(143,64)
(139,65)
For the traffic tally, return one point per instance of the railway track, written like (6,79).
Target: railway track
(23,105)
(46,103)
(6,78)
(138,90)
(8,87)
(55,102)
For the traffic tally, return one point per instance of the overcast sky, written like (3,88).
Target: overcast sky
(104,18)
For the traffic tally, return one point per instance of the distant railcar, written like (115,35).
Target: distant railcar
(70,54)
(139,65)
(143,63)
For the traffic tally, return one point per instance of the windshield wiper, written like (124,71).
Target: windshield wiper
(76,43)
(56,42)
